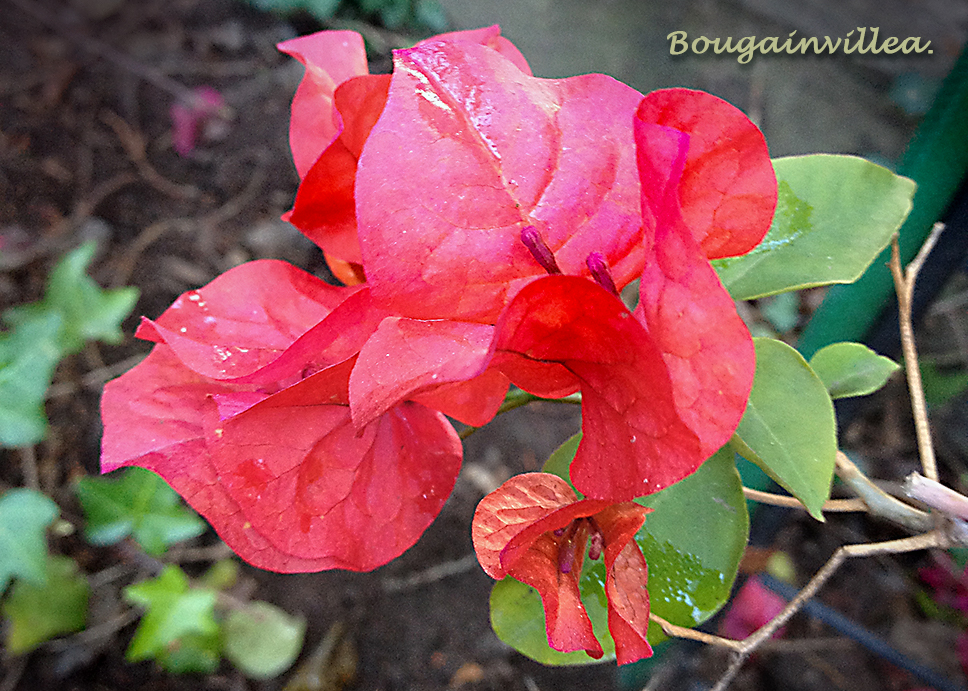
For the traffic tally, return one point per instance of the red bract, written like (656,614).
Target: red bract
(469,152)
(335,106)
(243,408)
(534,529)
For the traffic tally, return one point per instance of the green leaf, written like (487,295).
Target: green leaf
(194,653)
(37,613)
(782,311)
(139,503)
(262,640)
(24,516)
(89,313)
(73,311)
(851,369)
(692,542)
(221,575)
(177,616)
(941,384)
(789,428)
(28,357)
(834,216)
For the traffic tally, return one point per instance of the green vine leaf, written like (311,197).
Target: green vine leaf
(789,428)
(262,640)
(851,369)
(73,311)
(88,312)
(28,357)
(37,613)
(692,542)
(834,216)
(135,502)
(25,515)
(178,629)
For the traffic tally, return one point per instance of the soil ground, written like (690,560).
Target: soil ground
(85,152)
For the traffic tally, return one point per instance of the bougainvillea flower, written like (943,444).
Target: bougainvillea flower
(335,106)
(478,181)
(242,407)
(534,529)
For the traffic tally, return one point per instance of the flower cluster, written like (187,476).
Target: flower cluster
(484,222)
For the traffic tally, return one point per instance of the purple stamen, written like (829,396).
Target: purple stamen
(539,250)
(600,272)
(566,557)
(595,545)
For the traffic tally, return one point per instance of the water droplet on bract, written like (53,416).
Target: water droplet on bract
(183,330)
(633,438)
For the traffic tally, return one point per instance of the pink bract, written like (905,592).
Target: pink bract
(535,529)
(306,421)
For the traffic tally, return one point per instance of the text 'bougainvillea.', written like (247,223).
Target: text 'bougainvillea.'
(484,222)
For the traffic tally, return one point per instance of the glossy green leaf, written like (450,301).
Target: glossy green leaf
(692,542)
(24,517)
(789,428)
(176,614)
(851,369)
(834,215)
(28,357)
(135,502)
(262,640)
(37,613)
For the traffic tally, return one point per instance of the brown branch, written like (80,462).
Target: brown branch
(137,151)
(936,495)
(904,286)
(750,643)
(881,503)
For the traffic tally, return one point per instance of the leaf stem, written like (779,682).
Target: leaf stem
(516,398)
(674,631)
(831,505)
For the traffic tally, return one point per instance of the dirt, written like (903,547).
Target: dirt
(85,152)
